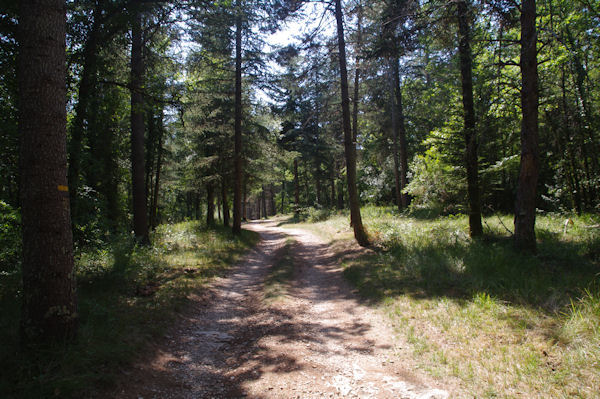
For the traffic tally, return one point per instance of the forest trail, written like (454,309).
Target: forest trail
(316,341)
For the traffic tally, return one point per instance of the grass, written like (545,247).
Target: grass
(281,273)
(128,296)
(500,323)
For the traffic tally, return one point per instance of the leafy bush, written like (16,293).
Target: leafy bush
(318,214)
(435,183)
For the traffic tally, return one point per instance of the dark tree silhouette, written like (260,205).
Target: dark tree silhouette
(529,171)
(140,212)
(49,310)
(466,74)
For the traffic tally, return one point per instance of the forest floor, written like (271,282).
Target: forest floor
(282,324)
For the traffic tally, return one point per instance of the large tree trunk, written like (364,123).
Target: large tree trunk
(464,50)
(237,145)
(349,144)
(49,311)
(140,212)
(528,175)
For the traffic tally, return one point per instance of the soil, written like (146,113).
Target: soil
(318,341)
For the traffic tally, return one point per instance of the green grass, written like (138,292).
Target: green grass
(503,323)
(281,273)
(128,295)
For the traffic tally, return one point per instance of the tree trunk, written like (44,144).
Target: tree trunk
(237,157)
(224,200)
(332,185)
(49,311)
(296,187)
(272,198)
(349,144)
(245,200)
(264,203)
(87,83)
(210,205)
(140,213)
(219,198)
(528,175)
(464,50)
(154,208)
(282,196)
(357,73)
(318,185)
(395,133)
(402,146)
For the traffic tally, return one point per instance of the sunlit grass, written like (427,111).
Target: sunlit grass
(128,296)
(502,323)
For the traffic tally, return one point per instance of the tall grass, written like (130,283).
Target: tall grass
(128,296)
(503,323)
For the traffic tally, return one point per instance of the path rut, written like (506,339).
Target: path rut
(319,341)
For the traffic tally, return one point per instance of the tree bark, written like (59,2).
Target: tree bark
(464,50)
(140,212)
(237,157)
(49,311)
(349,145)
(524,237)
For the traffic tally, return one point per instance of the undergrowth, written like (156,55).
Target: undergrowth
(127,297)
(502,323)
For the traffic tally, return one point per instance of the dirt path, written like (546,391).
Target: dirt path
(319,341)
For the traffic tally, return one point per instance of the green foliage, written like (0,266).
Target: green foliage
(128,295)
(435,183)
(10,248)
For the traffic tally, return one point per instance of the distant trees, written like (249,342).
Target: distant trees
(49,301)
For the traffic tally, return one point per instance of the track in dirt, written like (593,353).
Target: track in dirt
(318,341)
